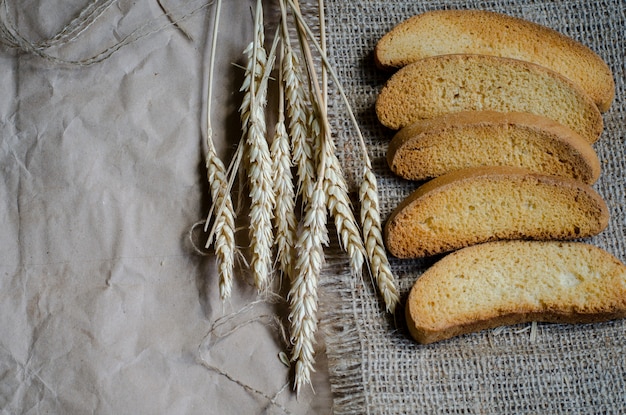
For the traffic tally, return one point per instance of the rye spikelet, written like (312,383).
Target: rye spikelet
(303,293)
(257,158)
(372,235)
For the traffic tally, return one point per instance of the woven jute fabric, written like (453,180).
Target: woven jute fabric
(374,365)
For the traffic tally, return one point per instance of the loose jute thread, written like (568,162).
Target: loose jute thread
(51,48)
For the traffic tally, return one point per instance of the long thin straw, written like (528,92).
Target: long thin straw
(334,77)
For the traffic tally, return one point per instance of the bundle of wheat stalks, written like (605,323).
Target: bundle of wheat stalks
(296,167)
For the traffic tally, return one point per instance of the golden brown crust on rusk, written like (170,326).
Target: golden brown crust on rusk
(446,84)
(476,205)
(433,147)
(443,32)
(511,282)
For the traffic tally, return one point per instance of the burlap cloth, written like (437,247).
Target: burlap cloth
(375,367)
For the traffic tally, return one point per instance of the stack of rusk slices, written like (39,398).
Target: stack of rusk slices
(498,116)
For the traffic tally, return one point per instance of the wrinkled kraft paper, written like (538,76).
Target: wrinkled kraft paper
(105,306)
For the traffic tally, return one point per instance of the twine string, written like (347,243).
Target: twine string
(50,49)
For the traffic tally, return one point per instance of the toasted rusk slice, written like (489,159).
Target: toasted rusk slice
(446,84)
(482,204)
(511,282)
(444,32)
(434,147)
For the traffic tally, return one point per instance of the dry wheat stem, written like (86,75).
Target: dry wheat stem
(216,23)
(303,299)
(258,159)
(224,230)
(284,23)
(322,18)
(308,33)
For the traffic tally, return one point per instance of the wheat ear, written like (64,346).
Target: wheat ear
(297,105)
(258,159)
(285,222)
(335,185)
(303,293)
(368,194)
(338,200)
(340,208)
(372,234)
(224,226)
(224,244)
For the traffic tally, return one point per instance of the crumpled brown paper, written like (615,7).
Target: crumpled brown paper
(105,307)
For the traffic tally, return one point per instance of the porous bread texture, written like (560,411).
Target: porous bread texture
(443,32)
(434,147)
(481,204)
(446,84)
(511,282)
